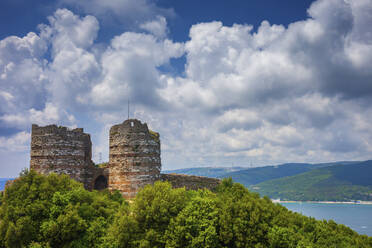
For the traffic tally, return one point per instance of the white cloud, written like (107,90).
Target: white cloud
(49,115)
(43,91)
(130,70)
(15,49)
(157,27)
(239,119)
(22,71)
(279,94)
(68,31)
(6,96)
(16,143)
(300,82)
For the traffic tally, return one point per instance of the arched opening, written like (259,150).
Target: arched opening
(100,183)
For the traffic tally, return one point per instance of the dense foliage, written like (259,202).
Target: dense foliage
(333,183)
(55,211)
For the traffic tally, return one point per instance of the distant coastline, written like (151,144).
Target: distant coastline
(325,202)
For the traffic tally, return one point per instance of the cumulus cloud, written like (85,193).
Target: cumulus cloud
(73,68)
(238,119)
(49,115)
(279,94)
(157,27)
(16,143)
(302,83)
(37,90)
(129,70)
(22,78)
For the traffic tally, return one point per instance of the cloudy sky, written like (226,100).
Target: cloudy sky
(243,83)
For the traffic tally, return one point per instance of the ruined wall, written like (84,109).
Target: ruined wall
(191,182)
(61,150)
(134,159)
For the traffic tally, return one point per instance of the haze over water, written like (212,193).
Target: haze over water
(356,216)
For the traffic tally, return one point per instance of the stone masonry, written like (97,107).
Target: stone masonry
(134,159)
(61,150)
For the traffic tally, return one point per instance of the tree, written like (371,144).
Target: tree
(153,209)
(196,225)
(54,210)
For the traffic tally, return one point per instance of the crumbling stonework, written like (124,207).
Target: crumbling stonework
(61,150)
(191,182)
(134,159)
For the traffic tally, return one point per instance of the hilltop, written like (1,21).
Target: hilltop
(55,211)
(336,181)
(342,182)
(251,176)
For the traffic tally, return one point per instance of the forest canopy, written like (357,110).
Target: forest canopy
(56,211)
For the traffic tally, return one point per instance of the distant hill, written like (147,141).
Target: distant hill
(3,182)
(340,182)
(256,175)
(216,172)
(249,176)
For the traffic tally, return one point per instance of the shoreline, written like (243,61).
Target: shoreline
(326,202)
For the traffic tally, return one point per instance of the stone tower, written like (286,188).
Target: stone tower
(61,150)
(134,159)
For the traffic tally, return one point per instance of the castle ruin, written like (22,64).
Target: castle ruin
(134,158)
(63,151)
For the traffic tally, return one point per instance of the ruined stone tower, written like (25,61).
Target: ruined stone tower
(134,159)
(61,150)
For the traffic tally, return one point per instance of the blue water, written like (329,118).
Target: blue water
(356,216)
(3,181)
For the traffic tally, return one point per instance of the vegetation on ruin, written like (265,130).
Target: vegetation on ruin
(102,165)
(154,135)
(55,211)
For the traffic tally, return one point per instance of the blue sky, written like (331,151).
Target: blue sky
(224,82)
(18,17)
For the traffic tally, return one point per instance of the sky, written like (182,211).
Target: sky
(225,83)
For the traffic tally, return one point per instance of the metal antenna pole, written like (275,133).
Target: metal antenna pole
(128,109)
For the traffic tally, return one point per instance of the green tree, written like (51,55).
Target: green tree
(41,211)
(283,237)
(245,218)
(153,209)
(54,210)
(196,225)
(124,231)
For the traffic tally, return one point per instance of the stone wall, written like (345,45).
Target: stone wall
(61,150)
(191,182)
(134,159)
